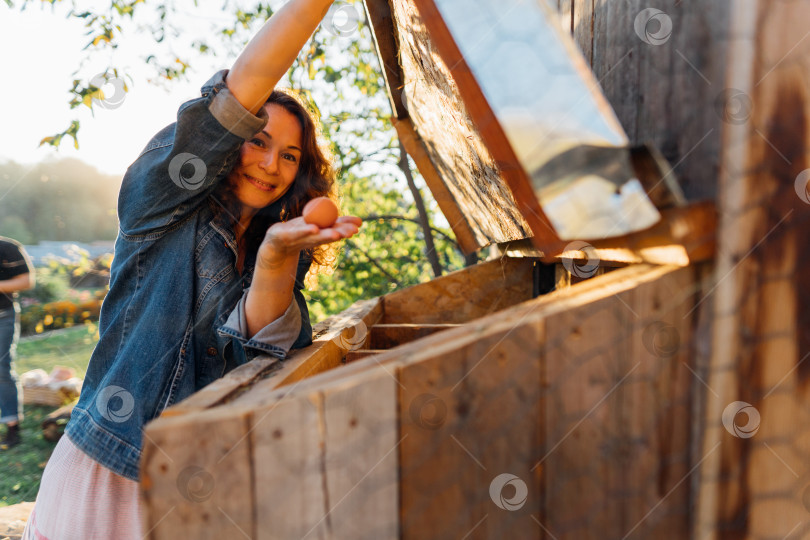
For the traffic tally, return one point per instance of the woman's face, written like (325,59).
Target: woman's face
(269,161)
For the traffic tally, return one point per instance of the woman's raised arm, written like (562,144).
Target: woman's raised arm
(272,51)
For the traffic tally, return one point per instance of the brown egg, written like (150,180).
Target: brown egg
(321,211)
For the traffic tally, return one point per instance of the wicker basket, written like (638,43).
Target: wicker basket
(39,388)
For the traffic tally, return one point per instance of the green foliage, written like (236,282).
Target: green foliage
(52,284)
(341,76)
(58,200)
(14,226)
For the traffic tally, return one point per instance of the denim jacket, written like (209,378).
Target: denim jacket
(173,320)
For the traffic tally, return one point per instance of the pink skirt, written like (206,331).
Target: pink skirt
(78,498)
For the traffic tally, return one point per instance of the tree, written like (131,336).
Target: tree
(338,70)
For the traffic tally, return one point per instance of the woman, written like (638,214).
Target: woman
(207,274)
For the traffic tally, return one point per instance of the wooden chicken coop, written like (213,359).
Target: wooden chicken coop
(630,364)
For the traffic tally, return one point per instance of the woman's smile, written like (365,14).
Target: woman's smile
(269,161)
(264,186)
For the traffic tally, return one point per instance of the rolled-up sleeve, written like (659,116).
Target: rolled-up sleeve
(275,339)
(186,160)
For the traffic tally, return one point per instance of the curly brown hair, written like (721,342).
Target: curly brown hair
(315,178)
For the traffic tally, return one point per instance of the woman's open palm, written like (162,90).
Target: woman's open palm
(290,237)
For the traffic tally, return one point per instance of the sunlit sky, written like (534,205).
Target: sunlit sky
(42,49)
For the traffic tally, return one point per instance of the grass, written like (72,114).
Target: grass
(70,347)
(22,465)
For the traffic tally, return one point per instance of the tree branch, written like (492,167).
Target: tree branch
(389,217)
(430,250)
(374,261)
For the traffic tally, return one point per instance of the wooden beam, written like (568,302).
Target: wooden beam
(755,484)
(685,235)
(351,356)
(342,332)
(462,295)
(241,377)
(382,30)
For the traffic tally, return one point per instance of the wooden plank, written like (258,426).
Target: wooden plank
(203,489)
(566,8)
(547,305)
(382,31)
(220,389)
(287,460)
(755,487)
(582,21)
(388,336)
(617,414)
(340,333)
(323,458)
(683,236)
(362,442)
(351,356)
(458,221)
(648,83)
(468,415)
(462,295)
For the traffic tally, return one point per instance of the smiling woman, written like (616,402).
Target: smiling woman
(208,273)
(283,160)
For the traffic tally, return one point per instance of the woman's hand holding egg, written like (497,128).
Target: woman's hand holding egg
(288,238)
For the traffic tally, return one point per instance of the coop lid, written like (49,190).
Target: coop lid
(508,125)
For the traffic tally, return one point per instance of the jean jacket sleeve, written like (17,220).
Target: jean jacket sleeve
(186,160)
(292,330)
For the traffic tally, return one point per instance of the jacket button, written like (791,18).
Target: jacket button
(212,351)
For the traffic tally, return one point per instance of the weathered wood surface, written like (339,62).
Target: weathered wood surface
(351,356)
(320,463)
(469,414)
(325,462)
(388,336)
(462,295)
(664,86)
(616,371)
(197,476)
(756,485)
(443,416)
(332,337)
(439,115)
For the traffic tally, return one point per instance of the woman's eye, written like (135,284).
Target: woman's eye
(257,142)
(290,157)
